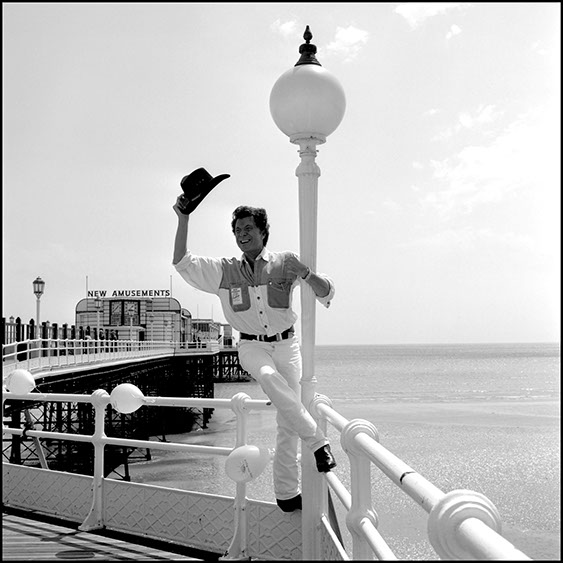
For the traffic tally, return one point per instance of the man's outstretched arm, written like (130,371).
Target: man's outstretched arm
(181,239)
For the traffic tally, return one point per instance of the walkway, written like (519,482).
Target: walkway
(28,537)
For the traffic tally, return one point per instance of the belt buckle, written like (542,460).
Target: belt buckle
(279,337)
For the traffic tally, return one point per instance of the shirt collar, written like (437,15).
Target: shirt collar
(265,254)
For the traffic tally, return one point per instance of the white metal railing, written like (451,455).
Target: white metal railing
(240,403)
(46,354)
(462,524)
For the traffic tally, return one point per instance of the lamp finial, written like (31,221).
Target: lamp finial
(307,50)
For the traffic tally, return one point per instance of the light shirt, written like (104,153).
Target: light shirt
(255,301)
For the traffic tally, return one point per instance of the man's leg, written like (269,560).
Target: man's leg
(256,358)
(287,359)
(293,419)
(285,467)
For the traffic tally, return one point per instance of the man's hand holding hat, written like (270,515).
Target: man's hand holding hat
(196,186)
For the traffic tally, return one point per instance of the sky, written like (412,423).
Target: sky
(439,195)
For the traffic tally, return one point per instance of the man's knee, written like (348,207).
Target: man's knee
(267,372)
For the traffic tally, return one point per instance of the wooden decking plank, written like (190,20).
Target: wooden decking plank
(31,539)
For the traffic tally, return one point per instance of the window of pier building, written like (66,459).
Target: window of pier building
(206,329)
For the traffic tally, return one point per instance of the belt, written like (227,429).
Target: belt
(263,338)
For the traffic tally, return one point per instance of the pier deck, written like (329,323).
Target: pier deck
(30,538)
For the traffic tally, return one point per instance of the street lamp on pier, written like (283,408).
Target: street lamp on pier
(307,103)
(38,289)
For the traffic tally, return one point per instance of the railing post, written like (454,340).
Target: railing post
(15,450)
(238,547)
(95,518)
(43,335)
(318,493)
(360,484)
(55,339)
(36,441)
(19,338)
(32,329)
(19,330)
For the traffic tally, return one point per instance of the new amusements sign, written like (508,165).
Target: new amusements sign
(102,293)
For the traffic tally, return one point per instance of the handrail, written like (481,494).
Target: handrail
(462,524)
(240,403)
(41,354)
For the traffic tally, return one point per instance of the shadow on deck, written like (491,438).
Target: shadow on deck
(30,537)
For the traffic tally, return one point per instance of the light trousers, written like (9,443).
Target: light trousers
(276,366)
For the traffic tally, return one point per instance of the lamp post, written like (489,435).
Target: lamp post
(307,103)
(38,288)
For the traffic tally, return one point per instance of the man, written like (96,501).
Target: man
(256,296)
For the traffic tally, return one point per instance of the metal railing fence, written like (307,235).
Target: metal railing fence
(240,403)
(47,354)
(462,524)
(14,330)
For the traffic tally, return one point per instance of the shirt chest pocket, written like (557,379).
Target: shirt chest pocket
(239,297)
(279,291)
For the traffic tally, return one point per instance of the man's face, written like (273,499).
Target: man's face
(249,237)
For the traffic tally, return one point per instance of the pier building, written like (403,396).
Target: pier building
(133,316)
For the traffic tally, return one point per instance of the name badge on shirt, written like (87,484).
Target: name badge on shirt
(236,295)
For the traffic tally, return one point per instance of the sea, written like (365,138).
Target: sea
(478,417)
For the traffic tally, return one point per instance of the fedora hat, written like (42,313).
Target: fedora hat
(197,185)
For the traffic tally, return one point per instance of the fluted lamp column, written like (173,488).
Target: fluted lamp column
(307,103)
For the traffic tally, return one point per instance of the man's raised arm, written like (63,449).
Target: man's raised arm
(181,239)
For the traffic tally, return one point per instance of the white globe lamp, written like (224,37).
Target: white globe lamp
(307,100)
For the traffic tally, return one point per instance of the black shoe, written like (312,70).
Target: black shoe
(325,460)
(291,504)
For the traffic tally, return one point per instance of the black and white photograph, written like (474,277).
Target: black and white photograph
(281,281)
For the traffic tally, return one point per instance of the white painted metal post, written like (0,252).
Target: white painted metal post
(308,174)
(36,441)
(38,309)
(238,546)
(360,481)
(95,518)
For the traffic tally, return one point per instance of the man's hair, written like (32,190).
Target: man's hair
(260,219)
